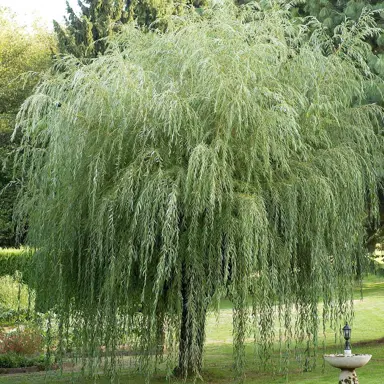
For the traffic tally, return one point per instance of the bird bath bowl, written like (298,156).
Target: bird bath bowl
(347,364)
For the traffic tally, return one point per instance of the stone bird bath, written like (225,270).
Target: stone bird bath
(347,363)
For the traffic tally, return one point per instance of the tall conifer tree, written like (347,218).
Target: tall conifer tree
(333,12)
(84,34)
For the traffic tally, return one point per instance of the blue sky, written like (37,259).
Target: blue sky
(47,10)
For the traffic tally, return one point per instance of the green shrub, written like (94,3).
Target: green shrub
(13,293)
(14,360)
(11,316)
(15,259)
(15,299)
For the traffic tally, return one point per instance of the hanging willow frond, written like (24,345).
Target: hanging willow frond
(233,155)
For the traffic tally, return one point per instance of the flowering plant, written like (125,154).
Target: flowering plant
(23,341)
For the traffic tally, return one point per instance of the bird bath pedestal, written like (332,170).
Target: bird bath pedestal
(347,364)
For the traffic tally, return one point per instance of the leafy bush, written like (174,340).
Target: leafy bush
(11,316)
(27,341)
(15,299)
(15,259)
(14,360)
(13,293)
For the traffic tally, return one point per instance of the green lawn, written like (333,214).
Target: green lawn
(367,330)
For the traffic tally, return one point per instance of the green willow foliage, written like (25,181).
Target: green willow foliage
(230,156)
(24,54)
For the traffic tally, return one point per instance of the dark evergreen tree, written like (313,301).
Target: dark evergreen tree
(333,12)
(84,35)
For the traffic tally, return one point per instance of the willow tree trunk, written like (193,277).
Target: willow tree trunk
(192,329)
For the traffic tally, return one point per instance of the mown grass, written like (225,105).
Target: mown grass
(367,337)
(218,370)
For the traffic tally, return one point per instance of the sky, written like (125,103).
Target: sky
(47,10)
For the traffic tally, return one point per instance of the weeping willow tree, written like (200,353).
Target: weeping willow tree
(231,156)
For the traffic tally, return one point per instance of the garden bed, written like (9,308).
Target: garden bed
(9,371)
(34,369)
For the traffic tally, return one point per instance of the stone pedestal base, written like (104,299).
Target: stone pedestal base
(348,377)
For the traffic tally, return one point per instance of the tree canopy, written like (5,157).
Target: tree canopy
(233,155)
(23,55)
